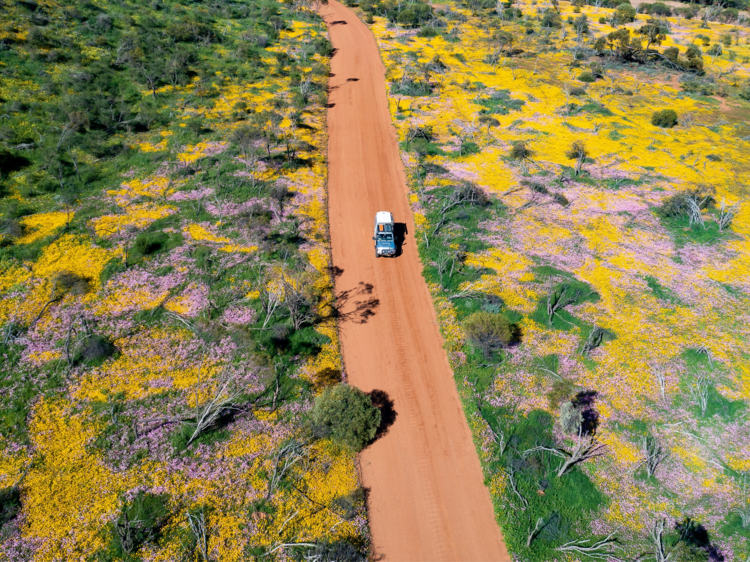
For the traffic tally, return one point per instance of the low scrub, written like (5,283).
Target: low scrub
(666,118)
(490,332)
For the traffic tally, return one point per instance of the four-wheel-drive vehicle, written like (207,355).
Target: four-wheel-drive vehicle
(385,239)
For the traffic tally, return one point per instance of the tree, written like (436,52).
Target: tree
(654,33)
(625,13)
(347,416)
(579,153)
(521,153)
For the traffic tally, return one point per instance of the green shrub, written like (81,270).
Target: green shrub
(657,9)
(346,415)
(427,31)
(551,19)
(671,53)
(693,86)
(625,13)
(586,76)
(490,332)
(666,118)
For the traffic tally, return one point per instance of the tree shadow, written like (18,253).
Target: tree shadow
(363,310)
(336,271)
(339,22)
(399,235)
(352,79)
(388,414)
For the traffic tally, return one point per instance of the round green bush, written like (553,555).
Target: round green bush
(625,13)
(490,332)
(665,118)
(346,415)
(587,77)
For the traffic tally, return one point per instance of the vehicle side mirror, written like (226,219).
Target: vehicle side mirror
(373,238)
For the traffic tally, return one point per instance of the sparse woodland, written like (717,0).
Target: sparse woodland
(166,301)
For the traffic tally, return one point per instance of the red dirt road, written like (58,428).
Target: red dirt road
(427,497)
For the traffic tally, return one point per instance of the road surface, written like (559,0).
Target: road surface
(427,498)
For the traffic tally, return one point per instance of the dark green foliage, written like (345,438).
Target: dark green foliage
(672,53)
(149,243)
(346,415)
(94,350)
(656,9)
(411,14)
(678,205)
(339,551)
(427,31)
(112,268)
(666,118)
(73,283)
(490,332)
(564,505)
(625,13)
(586,76)
(140,523)
(409,86)
(551,19)
(10,505)
(468,148)
(578,416)
(499,103)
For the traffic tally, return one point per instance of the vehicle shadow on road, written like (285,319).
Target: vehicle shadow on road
(399,236)
(388,414)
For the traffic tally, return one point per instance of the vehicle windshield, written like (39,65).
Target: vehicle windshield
(383,236)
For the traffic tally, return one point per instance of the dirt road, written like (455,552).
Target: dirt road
(427,497)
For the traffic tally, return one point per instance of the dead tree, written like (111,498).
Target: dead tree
(694,212)
(586,447)
(199,529)
(598,550)
(593,340)
(745,500)
(661,380)
(579,153)
(657,537)
(654,454)
(699,392)
(284,459)
(298,302)
(466,194)
(559,298)
(727,214)
(535,532)
(210,412)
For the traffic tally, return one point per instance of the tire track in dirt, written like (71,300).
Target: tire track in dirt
(427,498)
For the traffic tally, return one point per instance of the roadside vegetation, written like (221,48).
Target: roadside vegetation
(166,303)
(579,181)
